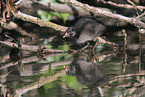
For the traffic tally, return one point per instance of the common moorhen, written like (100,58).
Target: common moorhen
(86,29)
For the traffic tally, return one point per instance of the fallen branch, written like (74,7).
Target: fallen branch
(141,8)
(14,26)
(57,7)
(42,49)
(56,27)
(40,22)
(136,22)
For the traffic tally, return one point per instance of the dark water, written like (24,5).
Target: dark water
(108,72)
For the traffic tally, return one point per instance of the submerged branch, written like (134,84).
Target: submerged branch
(42,81)
(44,49)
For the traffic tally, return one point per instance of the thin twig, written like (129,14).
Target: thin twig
(141,8)
(129,1)
(125,55)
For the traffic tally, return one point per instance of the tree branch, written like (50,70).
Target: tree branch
(34,6)
(54,26)
(141,8)
(14,26)
(40,22)
(94,10)
(42,49)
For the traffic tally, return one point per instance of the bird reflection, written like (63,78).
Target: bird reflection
(86,71)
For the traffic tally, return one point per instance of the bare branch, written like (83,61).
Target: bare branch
(105,13)
(40,22)
(14,26)
(34,6)
(129,1)
(43,49)
(141,8)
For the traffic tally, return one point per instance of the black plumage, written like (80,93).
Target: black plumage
(85,29)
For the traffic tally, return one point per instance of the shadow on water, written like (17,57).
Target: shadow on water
(107,73)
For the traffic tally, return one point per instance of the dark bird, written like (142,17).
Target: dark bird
(86,29)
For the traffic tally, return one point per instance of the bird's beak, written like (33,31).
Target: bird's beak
(66,35)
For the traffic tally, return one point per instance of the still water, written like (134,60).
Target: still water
(103,73)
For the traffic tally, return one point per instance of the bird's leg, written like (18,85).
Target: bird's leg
(94,48)
(85,46)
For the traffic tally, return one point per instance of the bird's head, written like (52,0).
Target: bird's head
(70,32)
